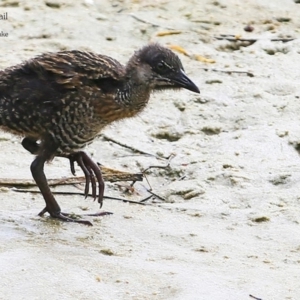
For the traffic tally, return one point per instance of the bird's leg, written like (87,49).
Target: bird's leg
(52,207)
(89,168)
(31,145)
(92,173)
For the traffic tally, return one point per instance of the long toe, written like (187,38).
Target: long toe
(92,166)
(91,172)
(99,214)
(66,218)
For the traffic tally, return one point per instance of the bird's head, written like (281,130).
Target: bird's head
(160,68)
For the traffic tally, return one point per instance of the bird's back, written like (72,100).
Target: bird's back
(54,88)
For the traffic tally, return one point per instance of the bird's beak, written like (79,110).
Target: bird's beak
(183,81)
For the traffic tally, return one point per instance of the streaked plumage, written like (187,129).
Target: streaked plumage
(59,102)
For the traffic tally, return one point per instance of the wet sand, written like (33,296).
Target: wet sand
(229,225)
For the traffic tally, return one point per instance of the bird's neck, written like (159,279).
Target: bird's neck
(134,93)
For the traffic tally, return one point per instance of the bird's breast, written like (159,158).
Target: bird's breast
(113,107)
(110,112)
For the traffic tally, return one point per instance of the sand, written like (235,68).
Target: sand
(228,226)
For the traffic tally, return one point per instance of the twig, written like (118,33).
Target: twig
(155,195)
(141,202)
(148,182)
(109,139)
(146,199)
(232,38)
(156,167)
(82,194)
(130,187)
(229,71)
(171,156)
(149,23)
(254,297)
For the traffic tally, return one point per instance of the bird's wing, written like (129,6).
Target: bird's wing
(53,80)
(72,69)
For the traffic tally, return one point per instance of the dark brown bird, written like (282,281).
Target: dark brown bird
(60,102)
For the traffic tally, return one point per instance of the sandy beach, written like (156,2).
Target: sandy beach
(225,224)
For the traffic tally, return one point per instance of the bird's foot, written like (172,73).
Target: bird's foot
(72,217)
(92,174)
(65,217)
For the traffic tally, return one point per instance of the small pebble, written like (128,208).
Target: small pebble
(248,28)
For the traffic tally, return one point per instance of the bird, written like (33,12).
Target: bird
(59,102)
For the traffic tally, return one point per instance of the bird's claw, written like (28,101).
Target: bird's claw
(91,172)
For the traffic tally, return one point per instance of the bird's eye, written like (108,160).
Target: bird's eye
(161,66)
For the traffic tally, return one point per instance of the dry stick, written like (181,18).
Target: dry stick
(82,194)
(141,202)
(149,23)
(107,138)
(145,176)
(232,38)
(157,167)
(155,195)
(229,71)
(254,297)
(148,182)
(145,199)
(171,156)
(148,190)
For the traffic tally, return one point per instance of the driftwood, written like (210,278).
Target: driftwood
(110,175)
